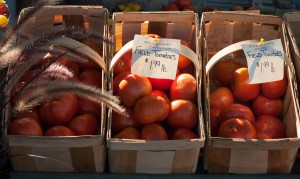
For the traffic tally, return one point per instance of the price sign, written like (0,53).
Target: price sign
(155,57)
(265,61)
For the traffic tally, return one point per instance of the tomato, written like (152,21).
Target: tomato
(263,135)
(16,92)
(183,134)
(59,131)
(263,105)
(241,88)
(28,75)
(153,131)
(190,69)
(236,111)
(213,117)
(183,113)
(117,79)
(223,71)
(59,110)
(32,113)
(91,77)
(70,64)
(184,87)
(120,122)
(270,125)
(88,64)
(150,109)
(88,106)
(85,124)
(123,64)
(221,97)
(237,128)
(132,87)
(128,133)
(25,126)
(275,89)
(181,4)
(162,84)
(184,62)
(160,93)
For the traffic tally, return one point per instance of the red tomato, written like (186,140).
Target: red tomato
(237,128)
(270,125)
(262,135)
(189,69)
(184,62)
(28,75)
(129,133)
(162,84)
(32,113)
(117,79)
(183,134)
(153,131)
(16,92)
(59,131)
(263,105)
(150,109)
(85,124)
(120,122)
(132,88)
(241,88)
(123,64)
(275,89)
(223,71)
(181,4)
(184,87)
(160,93)
(88,106)
(25,126)
(91,77)
(221,97)
(213,117)
(60,110)
(70,64)
(236,111)
(183,113)
(88,64)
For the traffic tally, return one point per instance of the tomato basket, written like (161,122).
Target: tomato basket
(155,156)
(64,153)
(222,36)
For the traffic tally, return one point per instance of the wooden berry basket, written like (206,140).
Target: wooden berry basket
(167,156)
(291,22)
(70,153)
(251,156)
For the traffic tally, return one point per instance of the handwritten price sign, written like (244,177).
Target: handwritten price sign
(265,61)
(155,58)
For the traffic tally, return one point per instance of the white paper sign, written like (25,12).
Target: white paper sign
(155,58)
(265,61)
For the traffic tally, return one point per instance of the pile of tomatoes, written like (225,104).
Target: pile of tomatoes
(242,110)
(64,115)
(158,109)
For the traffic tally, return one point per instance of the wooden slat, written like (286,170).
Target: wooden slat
(20,160)
(185,161)
(76,141)
(218,160)
(279,161)
(122,161)
(155,16)
(242,17)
